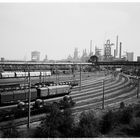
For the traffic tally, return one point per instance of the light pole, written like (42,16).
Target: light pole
(80,77)
(29,99)
(73,71)
(103,94)
(56,75)
(40,77)
(138,89)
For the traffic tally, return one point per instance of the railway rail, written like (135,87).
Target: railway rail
(90,96)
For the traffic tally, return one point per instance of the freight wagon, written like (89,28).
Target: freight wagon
(24,74)
(14,97)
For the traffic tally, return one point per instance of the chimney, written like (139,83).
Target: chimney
(90,46)
(117,45)
(114,53)
(120,50)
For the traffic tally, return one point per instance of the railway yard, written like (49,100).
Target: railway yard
(97,92)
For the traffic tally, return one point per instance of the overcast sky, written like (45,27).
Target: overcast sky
(56,29)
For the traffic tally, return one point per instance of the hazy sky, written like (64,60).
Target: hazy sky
(56,29)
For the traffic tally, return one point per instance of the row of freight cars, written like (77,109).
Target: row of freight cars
(18,86)
(13,97)
(24,74)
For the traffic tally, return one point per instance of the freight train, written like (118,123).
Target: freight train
(18,86)
(24,74)
(16,96)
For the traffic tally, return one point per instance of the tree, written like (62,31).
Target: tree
(56,124)
(67,127)
(111,120)
(107,122)
(49,126)
(66,102)
(125,116)
(88,125)
(93,59)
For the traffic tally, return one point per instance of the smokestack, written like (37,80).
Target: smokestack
(117,45)
(114,53)
(90,46)
(120,50)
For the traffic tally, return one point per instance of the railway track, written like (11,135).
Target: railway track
(90,97)
(51,78)
(90,80)
(111,97)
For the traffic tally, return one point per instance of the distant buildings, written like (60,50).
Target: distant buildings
(90,53)
(75,54)
(98,53)
(107,50)
(138,58)
(46,58)
(106,56)
(69,58)
(84,56)
(35,56)
(129,56)
(2,59)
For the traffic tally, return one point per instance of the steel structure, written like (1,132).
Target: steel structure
(25,66)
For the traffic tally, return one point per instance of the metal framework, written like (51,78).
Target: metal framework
(24,66)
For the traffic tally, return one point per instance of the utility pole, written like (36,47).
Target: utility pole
(56,74)
(138,89)
(103,95)
(73,72)
(40,77)
(80,77)
(56,77)
(43,77)
(29,99)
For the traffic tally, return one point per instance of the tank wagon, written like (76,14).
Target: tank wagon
(24,74)
(13,97)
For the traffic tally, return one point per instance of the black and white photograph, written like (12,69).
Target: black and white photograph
(69,69)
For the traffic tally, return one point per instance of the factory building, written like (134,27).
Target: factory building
(2,59)
(138,58)
(129,56)
(107,50)
(35,56)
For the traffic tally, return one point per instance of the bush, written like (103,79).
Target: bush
(60,123)
(122,105)
(57,124)
(128,130)
(135,128)
(125,116)
(10,132)
(88,125)
(120,131)
(67,127)
(49,126)
(107,123)
(137,114)
(112,120)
